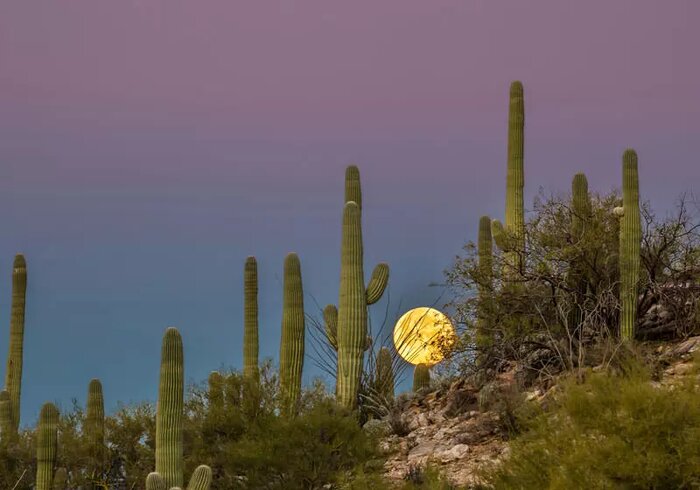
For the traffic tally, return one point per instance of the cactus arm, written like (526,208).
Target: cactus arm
(201,478)
(250,320)
(46,446)
(377,283)
(155,482)
(293,331)
(330,321)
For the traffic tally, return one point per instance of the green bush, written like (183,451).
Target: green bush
(614,430)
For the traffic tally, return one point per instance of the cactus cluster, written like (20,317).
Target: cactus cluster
(169,421)
(293,334)
(630,244)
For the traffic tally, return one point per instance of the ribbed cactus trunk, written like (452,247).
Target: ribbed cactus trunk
(580,219)
(421,377)
(293,332)
(95,426)
(6,431)
(515,179)
(13,373)
(46,446)
(485,254)
(630,245)
(352,335)
(385,374)
(169,413)
(250,320)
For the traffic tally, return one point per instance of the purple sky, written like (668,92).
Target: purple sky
(147,147)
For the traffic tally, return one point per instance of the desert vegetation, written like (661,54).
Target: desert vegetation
(568,297)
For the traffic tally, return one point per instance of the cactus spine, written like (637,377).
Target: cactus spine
(170,410)
(354,297)
(250,321)
(292,343)
(580,214)
(13,373)
(485,253)
(630,244)
(95,425)
(421,377)
(385,374)
(46,446)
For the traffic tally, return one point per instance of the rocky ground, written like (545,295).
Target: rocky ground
(460,429)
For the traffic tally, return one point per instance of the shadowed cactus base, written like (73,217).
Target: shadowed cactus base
(293,332)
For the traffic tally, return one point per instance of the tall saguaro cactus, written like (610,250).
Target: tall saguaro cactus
(630,244)
(485,253)
(421,377)
(170,410)
(95,425)
(250,320)
(46,446)
(169,422)
(580,215)
(293,333)
(515,180)
(354,297)
(13,373)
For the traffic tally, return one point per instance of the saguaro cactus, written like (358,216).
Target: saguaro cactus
(46,446)
(580,215)
(216,391)
(485,253)
(515,181)
(170,410)
(630,244)
(169,415)
(250,320)
(13,373)
(421,377)
(385,374)
(354,297)
(95,425)
(293,332)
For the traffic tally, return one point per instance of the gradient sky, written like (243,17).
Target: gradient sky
(148,146)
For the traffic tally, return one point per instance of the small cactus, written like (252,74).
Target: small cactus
(46,446)
(216,392)
(385,374)
(421,377)
(485,254)
(250,320)
(293,332)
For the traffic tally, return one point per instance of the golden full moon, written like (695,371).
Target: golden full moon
(423,335)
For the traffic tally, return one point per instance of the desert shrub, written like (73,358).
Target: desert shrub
(614,430)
